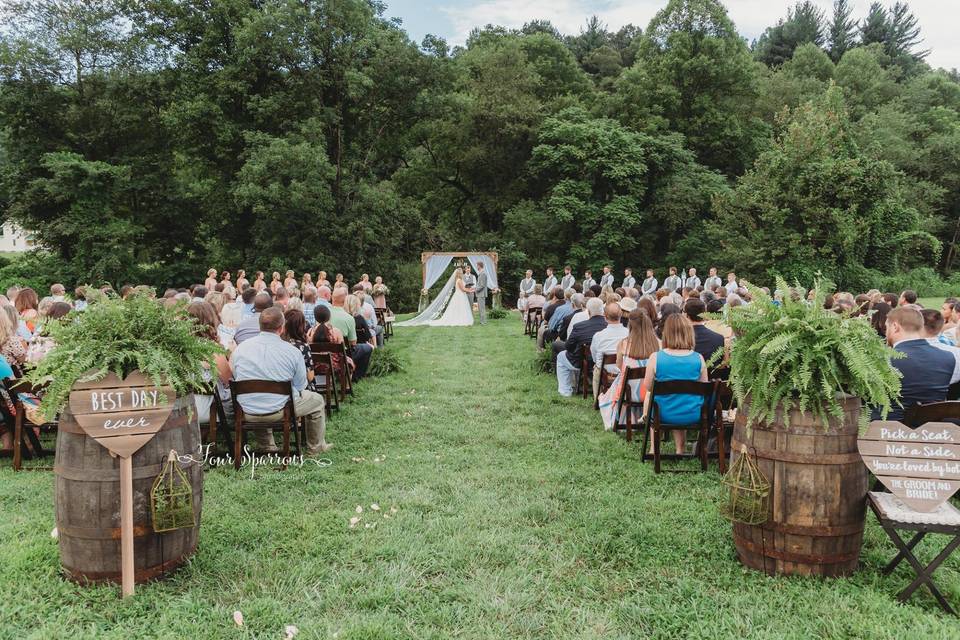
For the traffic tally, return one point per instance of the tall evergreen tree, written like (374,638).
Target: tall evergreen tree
(843,30)
(804,23)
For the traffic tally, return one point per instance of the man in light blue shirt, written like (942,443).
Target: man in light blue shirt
(309,302)
(250,327)
(268,357)
(561,312)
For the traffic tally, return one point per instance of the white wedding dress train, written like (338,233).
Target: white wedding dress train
(459,311)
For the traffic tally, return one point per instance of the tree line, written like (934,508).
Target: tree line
(148,140)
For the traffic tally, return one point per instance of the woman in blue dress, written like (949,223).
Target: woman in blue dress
(676,360)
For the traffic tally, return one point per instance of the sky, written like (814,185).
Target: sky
(453,19)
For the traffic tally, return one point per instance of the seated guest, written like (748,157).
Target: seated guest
(562,312)
(891,299)
(369,313)
(282,297)
(926,371)
(247,296)
(544,335)
(197,295)
(606,342)
(12,347)
(667,309)
(58,293)
(536,300)
(27,306)
(324,295)
(950,321)
(577,303)
(321,334)
(340,318)
(632,352)
(907,297)
(229,321)
(353,307)
(309,302)
(207,322)
(718,326)
(579,312)
(80,298)
(295,332)
(250,327)
(707,342)
(932,327)
(878,319)
(268,357)
(569,360)
(676,361)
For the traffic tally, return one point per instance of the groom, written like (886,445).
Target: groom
(480,291)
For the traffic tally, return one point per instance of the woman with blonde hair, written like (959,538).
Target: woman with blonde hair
(352,306)
(275,282)
(676,360)
(306,281)
(216,299)
(207,321)
(242,279)
(259,284)
(633,352)
(12,346)
(211,280)
(290,281)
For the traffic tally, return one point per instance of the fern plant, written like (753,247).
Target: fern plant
(119,336)
(794,354)
(384,361)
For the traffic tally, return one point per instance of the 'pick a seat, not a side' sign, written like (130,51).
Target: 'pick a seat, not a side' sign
(920,466)
(121,415)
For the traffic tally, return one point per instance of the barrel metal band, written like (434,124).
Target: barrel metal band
(104,475)
(812,458)
(803,558)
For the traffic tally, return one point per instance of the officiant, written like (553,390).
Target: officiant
(470,281)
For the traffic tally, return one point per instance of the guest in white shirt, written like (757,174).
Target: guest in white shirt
(732,285)
(607,341)
(268,357)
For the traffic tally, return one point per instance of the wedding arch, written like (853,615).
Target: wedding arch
(435,263)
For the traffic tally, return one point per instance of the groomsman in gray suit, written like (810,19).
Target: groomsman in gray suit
(692,281)
(550,282)
(481,290)
(588,280)
(649,286)
(528,283)
(629,282)
(606,280)
(712,281)
(673,281)
(568,279)
(469,281)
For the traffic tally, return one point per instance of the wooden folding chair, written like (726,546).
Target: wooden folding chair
(325,378)
(343,373)
(382,321)
(606,377)
(288,420)
(585,381)
(630,404)
(656,427)
(722,401)
(26,443)
(893,515)
(534,318)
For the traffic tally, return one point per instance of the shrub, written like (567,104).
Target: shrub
(384,361)
(543,363)
(798,355)
(119,336)
(497,314)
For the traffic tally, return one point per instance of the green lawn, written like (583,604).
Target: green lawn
(516,517)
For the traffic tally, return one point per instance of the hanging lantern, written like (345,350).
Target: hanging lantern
(171,497)
(749,500)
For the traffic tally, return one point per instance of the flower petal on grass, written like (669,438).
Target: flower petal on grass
(375,507)
(290,631)
(353,521)
(359,509)
(238,618)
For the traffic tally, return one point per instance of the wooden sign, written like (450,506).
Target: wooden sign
(920,466)
(122,415)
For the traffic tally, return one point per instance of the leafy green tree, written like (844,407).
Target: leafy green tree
(815,202)
(694,75)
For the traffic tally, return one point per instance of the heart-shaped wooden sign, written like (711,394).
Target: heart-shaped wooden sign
(122,415)
(920,466)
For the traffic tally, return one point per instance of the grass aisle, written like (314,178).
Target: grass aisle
(516,517)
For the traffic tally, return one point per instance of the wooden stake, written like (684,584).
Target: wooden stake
(126,524)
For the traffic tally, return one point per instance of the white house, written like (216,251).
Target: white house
(14,239)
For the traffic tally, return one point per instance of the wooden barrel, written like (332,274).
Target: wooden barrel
(818,487)
(88,500)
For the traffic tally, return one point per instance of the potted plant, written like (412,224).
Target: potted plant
(120,337)
(801,375)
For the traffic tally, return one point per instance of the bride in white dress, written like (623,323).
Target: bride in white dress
(458,312)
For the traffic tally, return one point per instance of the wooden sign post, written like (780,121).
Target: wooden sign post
(122,415)
(920,466)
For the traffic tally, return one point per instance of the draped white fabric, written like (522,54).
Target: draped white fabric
(436,265)
(488,266)
(435,310)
